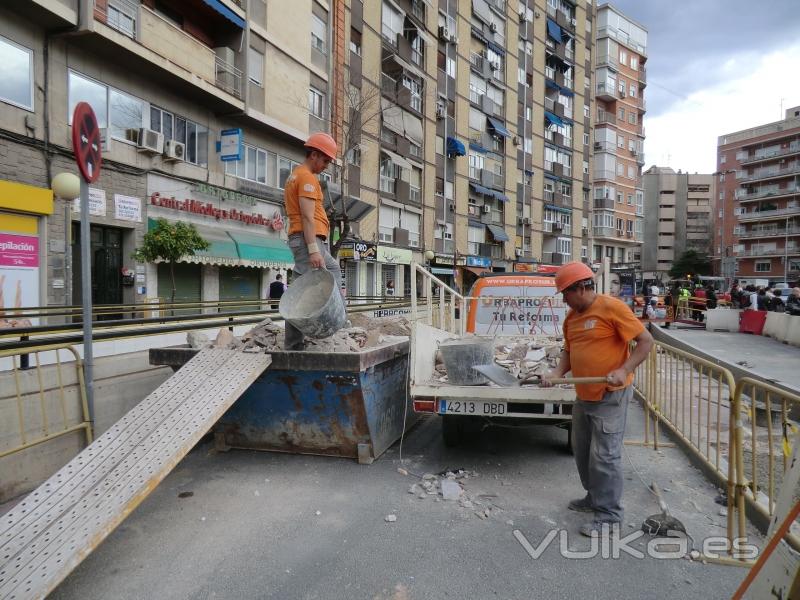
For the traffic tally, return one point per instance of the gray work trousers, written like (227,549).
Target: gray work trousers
(597,432)
(293,337)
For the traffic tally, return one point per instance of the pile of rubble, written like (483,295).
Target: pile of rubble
(522,357)
(364,332)
(449,486)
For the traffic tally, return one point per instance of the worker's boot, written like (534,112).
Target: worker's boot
(597,528)
(581,505)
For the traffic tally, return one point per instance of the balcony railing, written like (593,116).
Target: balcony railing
(606,60)
(794,148)
(228,77)
(770,193)
(769,232)
(608,232)
(791,250)
(605,117)
(768,173)
(757,215)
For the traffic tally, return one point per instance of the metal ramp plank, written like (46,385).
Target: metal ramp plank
(111,448)
(187,405)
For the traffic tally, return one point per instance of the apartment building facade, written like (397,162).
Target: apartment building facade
(678,209)
(465,130)
(757,233)
(165,79)
(620,82)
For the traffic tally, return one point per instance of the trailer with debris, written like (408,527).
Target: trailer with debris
(513,322)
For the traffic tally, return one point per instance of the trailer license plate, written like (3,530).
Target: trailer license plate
(471,407)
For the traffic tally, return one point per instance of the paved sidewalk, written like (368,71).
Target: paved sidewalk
(764,357)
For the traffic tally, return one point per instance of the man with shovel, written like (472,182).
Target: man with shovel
(597,332)
(308,223)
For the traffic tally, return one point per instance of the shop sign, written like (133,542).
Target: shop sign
(19,275)
(127,208)
(346,250)
(275,222)
(479,261)
(97,203)
(444,259)
(397,256)
(230,144)
(225,195)
(365,251)
(525,267)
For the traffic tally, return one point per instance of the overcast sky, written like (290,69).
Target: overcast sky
(714,67)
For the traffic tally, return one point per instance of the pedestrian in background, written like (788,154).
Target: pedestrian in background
(597,332)
(793,302)
(276,290)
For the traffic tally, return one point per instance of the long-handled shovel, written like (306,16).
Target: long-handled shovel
(503,378)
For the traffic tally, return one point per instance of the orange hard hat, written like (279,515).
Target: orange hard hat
(322,142)
(572,273)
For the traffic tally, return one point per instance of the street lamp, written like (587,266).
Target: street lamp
(66,186)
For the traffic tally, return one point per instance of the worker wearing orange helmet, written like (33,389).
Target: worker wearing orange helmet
(308,222)
(597,333)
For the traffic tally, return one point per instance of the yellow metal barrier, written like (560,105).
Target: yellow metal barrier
(756,482)
(692,397)
(30,389)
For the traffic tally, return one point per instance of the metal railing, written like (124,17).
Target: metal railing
(761,214)
(228,77)
(794,147)
(769,232)
(38,420)
(767,193)
(768,173)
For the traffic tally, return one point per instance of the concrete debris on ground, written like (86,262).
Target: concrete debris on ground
(449,485)
(523,357)
(364,332)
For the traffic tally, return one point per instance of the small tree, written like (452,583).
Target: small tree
(690,263)
(170,242)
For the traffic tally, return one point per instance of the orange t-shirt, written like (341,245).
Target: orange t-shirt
(597,341)
(302,182)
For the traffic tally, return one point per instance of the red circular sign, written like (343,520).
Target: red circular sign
(86,142)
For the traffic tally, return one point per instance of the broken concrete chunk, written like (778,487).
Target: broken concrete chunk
(451,490)
(390,518)
(197,340)
(224,338)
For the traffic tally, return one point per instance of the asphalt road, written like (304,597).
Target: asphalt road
(278,526)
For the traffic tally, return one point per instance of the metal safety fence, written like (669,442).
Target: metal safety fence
(740,430)
(42,402)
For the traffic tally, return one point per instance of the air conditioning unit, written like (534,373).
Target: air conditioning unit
(444,33)
(448,235)
(440,111)
(495,66)
(526,221)
(518,251)
(516,140)
(598,146)
(150,141)
(493,27)
(174,150)
(486,209)
(453,39)
(452,207)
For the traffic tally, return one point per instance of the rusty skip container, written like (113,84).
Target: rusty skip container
(333,404)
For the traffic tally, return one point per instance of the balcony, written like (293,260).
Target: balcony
(173,46)
(642,75)
(762,215)
(639,156)
(604,203)
(768,173)
(605,175)
(790,251)
(604,232)
(494,251)
(491,179)
(770,193)
(555,258)
(766,232)
(605,117)
(604,147)
(794,148)
(481,65)
(607,91)
(607,60)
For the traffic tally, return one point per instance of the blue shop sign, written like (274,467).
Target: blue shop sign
(231,145)
(479,261)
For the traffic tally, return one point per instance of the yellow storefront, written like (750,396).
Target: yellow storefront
(23,212)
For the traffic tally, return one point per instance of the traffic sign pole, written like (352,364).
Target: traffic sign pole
(86,298)
(87,146)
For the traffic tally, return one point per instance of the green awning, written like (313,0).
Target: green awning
(222,249)
(262,250)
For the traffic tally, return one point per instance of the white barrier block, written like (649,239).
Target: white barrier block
(775,325)
(722,319)
(793,331)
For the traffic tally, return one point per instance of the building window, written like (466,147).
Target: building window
(255,66)
(763,266)
(391,22)
(586,110)
(722,158)
(355,42)
(127,116)
(632,118)
(16,84)
(83,89)
(319,34)
(316,103)
(621,114)
(620,169)
(635,63)
(630,199)
(620,141)
(623,57)
(621,86)
(631,173)
(585,139)
(388,219)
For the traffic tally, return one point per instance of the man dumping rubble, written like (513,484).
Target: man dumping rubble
(597,331)
(308,223)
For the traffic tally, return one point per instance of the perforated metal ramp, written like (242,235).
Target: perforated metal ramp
(49,533)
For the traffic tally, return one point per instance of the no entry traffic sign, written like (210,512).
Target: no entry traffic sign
(86,142)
